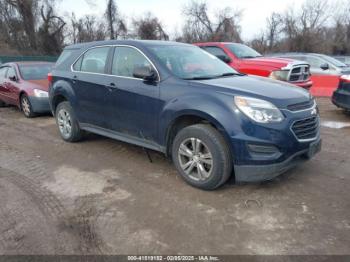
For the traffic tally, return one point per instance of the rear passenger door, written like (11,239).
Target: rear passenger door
(136,102)
(90,84)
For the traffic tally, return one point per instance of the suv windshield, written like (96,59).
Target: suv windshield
(190,62)
(333,61)
(242,51)
(35,71)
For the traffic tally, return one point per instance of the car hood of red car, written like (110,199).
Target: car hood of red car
(278,63)
(42,84)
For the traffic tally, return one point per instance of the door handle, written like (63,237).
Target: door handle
(74,79)
(112,86)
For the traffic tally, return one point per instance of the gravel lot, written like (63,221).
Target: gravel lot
(102,196)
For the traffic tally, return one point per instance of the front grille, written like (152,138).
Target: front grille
(306,128)
(299,73)
(301,106)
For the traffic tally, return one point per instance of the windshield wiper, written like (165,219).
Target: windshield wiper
(229,74)
(200,78)
(213,77)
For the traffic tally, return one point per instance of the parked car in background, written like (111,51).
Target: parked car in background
(248,61)
(341,96)
(177,99)
(25,85)
(325,71)
(343,59)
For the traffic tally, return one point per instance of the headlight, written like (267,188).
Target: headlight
(40,93)
(281,75)
(258,110)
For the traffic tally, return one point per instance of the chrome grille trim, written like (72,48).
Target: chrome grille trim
(299,73)
(307,129)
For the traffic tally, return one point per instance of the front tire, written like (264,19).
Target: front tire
(67,123)
(202,156)
(26,107)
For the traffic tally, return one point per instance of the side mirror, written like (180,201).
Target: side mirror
(324,66)
(224,58)
(13,78)
(146,73)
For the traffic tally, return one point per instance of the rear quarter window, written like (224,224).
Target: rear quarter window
(93,60)
(64,56)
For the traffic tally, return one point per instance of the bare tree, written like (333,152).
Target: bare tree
(200,27)
(149,27)
(50,34)
(27,10)
(87,29)
(274,27)
(111,13)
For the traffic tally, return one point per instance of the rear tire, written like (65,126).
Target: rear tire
(67,123)
(202,156)
(26,107)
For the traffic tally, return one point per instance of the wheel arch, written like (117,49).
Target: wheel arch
(20,97)
(56,100)
(61,91)
(192,117)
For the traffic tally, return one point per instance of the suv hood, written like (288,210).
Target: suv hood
(278,63)
(279,93)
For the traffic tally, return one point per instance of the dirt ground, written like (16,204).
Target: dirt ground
(102,196)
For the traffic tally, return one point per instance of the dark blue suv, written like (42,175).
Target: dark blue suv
(180,100)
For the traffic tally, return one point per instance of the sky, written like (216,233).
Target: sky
(169,12)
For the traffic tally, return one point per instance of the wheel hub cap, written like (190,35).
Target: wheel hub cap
(64,123)
(195,159)
(25,106)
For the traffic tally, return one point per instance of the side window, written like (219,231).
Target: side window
(3,71)
(66,54)
(126,59)
(216,51)
(11,73)
(94,60)
(314,62)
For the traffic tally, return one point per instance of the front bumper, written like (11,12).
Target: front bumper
(259,173)
(40,104)
(341,98)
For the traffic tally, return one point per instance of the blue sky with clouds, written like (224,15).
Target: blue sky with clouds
(254,16)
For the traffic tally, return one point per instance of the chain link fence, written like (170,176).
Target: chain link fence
(6,59)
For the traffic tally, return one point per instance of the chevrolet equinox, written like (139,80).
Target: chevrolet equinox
(186,103)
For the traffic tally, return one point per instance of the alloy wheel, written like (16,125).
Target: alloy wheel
(195,159)
(64,123)
(26,106)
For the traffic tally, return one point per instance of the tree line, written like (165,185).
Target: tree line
(34,27)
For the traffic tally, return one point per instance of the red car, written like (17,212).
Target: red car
(246,60)
(25,85)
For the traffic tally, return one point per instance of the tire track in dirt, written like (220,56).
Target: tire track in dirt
(27,173)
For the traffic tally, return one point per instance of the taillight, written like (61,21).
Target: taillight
(49,78)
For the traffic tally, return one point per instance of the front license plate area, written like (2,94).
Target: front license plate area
(314,148)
